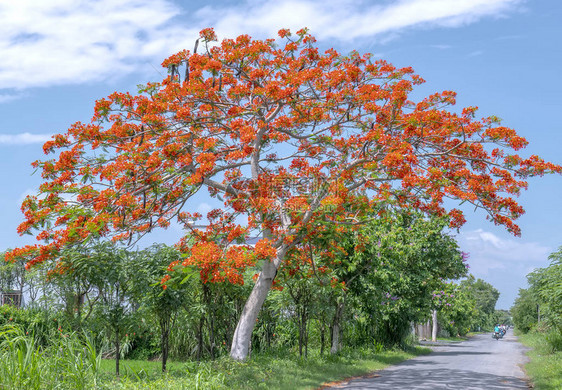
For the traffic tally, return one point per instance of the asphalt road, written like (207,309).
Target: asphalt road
(478,363)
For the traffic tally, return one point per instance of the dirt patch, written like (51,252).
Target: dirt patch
(335,385)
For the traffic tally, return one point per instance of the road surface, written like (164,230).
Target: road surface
(478,363)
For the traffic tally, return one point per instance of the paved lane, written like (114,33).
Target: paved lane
(478,363)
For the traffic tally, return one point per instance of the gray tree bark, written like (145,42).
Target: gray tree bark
(243,333)
(434,328)
(336,328)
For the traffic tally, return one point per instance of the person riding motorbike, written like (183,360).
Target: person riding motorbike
(497,334)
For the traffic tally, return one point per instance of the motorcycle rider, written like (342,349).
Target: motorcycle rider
(497,335)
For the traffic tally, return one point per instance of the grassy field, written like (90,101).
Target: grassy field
(260,372)
(72,363)
(545,367)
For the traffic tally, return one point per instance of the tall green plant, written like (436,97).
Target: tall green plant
(70,362)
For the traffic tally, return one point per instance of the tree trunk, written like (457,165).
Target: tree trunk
(306,338)
(243,333)
(538,314)
(165,338)
(200,338)
(207,298)
(434,329)
(117,353)
(336,328)
(322,338)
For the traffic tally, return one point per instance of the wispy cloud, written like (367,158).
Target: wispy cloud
(7,97)
(350,19)
(53,42)
(475,53)
(60,42)
(489,251)
(24,138)
(503,262)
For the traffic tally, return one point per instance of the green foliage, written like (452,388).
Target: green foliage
(504,317)
(358,305)
(545,366)
(541,303)
(69,362)
(72,362)
(263,370)
(554,340)
(12,275)
(412,258)
(537,312)
(525,310)
(547,286)
(485,297)
(41,323)
(456,316)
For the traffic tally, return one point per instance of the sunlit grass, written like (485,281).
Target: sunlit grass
(262,371)
(545,367)
(73,363)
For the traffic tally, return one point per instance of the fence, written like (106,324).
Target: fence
(13,298)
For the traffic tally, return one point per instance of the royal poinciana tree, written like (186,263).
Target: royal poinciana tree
(286,136)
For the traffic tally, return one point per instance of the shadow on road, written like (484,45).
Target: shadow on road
(458,353)
(407,378)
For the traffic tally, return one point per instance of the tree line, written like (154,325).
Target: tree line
(393,272)
(538,308)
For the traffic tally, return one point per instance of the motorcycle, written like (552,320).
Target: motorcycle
(497,335)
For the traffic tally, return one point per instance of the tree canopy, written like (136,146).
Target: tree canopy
(287,137)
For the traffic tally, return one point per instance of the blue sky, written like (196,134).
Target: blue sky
(59,56)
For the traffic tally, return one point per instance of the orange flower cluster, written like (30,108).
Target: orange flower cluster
(218,265)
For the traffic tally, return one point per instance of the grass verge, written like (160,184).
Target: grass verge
(262,371)
(544,367)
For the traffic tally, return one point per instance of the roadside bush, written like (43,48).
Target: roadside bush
(41,323)
(70,362)
(554,340)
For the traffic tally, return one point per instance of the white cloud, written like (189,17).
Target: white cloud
(6,97)
(23,138)
(53,42)
(503,262)
(475,53)
(349,19)
(204,208)
(59,42)
(488,252)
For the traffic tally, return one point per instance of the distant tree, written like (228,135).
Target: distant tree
(546,286)
(485,297)
(12,273)
(106,269)
(504,317)
(146,269)
(525,310)
(391,265)
(457,309)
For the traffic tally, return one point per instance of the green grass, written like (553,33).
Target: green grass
(545,367)
(71,362)
(260,372)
